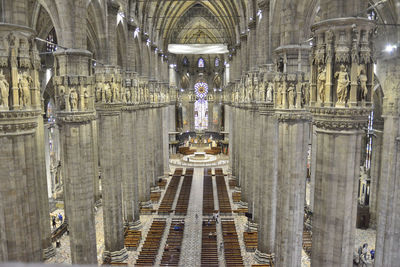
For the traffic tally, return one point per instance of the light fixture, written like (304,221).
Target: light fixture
(390,48)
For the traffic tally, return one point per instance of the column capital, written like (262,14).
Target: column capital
(75,117)
(340,119)
(285,115)
(18,122)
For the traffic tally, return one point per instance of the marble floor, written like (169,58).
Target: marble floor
(191,244)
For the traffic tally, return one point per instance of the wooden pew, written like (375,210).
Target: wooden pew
(209,247)
(233,255)
(151,245)
(171,255)
(307,242)
(208,196)
(132,239)
(250,240)
(236,196)
(223,198)
(184,195)
(169,196)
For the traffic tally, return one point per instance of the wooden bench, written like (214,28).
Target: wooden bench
(186,150)
(189,171)
(208,195)
(184,195)
(171,255)
(250,240)
(307,242)
(213,151)
(151,245)
(132,239)
(169,196)
(236,196)
(233,255)
(209,247)
(223,198)
(162,183)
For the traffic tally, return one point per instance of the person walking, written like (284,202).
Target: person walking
(60,218)
(53,220)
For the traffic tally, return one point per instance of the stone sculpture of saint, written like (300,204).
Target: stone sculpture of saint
(270,92)
(99,91)
(115,92)
(129,95)
(321,84)
(25,96)
(86,99)
(107,93)
(61,98)
(73,97)
(4,91)
(291,96)
(363,84)
(343,82)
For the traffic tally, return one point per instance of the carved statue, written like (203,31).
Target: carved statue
(73,97)
(115,91)
(86,99)
(270,92)
(23,85)
(123,94)
(321,84)
(343,82)
(280,95)
(291,95)
(61,98)
(362,79)
(107,92)
(99,92)
(306,91)
(129,95)
(4,90)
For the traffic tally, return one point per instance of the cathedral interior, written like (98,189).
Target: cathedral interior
(200,132)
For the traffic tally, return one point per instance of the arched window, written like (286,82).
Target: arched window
(185,61)
(200,63)
(52,41)
(216,62)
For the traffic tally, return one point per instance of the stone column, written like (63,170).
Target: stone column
(129,168)
(139,153)
(256,142)
(244,54)
(268,185)
(388,209)
(292,172)
(264,52)
(338,121)
(75,117)
(24,206)
(110,162)
(96,182)
(375,171)
(165,137)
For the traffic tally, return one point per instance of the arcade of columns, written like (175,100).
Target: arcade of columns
(278,102)
(319,95)
(106,115)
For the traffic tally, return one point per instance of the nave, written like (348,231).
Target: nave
(203,192)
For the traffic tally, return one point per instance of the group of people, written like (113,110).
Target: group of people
(54,222)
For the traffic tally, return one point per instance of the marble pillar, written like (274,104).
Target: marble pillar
(77,142)
(129,167)
(268,185)
(292,172)
(96,182)
(256,143)
(388,208)
(140,151)
(336,183)
(20,220)
(110,162)
(375,172)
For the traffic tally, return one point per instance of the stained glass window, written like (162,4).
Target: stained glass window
(201,114)
(216,62)
(201,90)
(201,63)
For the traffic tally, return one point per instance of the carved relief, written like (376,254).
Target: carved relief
(4,91)
(24,92)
